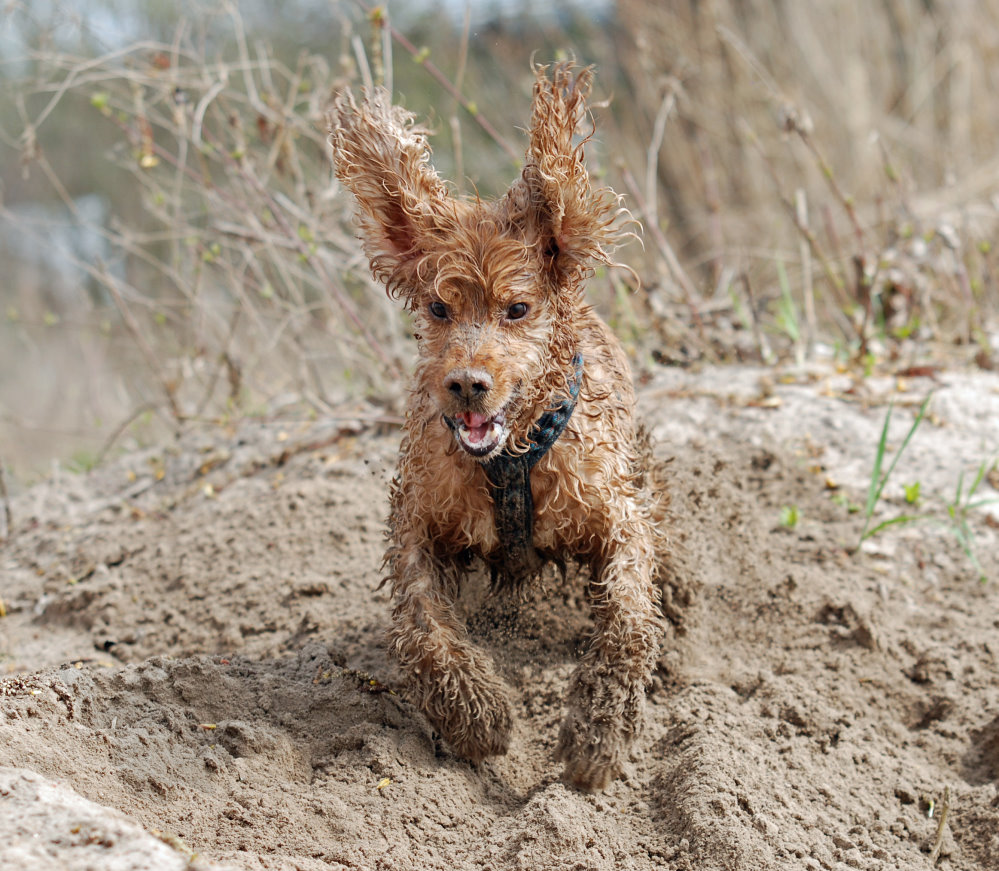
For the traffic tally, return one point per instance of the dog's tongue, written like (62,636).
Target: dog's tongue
(477,425)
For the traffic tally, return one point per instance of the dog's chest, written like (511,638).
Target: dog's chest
(464,509)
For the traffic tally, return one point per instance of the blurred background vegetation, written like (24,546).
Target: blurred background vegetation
(816,181)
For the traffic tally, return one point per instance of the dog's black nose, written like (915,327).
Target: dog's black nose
(468,384)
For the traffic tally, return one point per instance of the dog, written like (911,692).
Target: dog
(520,445)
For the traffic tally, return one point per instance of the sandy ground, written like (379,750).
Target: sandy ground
(193,672)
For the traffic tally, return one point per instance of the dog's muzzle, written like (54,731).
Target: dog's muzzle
(483,436)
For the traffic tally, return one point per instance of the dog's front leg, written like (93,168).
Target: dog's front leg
(451,680)
(607,692)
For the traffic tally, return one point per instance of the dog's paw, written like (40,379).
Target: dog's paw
(476,720)
(603,720)
(592,754)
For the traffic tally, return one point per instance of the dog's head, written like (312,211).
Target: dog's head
(496,288)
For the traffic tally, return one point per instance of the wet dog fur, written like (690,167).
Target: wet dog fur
(496,289)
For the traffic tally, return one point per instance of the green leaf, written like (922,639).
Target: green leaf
(789,516)
(100,102)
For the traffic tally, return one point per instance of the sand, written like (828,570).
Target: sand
(193,672)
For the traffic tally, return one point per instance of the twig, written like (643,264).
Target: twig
(8,519)
(441,79)
(808,291)
(224,359)
(652,153)
(124,425)
(221,139)
(332,288)
(327,283)
(832,235)
(941,823)
(76,74)
(459,80)
(765,351)
(806,232)
(793,124)
(199,117)
(133,327)
(361,56)
(793,121)
(713,202)
(671,260)
(244,52)
(728,37)
(386,56)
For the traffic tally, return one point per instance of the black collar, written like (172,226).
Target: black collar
(546,431)
(510,480)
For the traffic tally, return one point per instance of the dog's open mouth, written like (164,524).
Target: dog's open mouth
(479,435)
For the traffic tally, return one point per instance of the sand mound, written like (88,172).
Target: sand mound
(194,640)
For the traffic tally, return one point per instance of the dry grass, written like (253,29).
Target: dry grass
(810,176)
(244,265)
(864,130)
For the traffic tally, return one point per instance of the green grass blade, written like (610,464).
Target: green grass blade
(895,521)
(878,482)
(906,440)
(873,490)
(982,469)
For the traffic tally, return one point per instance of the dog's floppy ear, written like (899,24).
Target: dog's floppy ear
(381,155)
(572,225)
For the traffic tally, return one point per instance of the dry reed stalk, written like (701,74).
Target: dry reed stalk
(808,290)
(673,265)
(8,517)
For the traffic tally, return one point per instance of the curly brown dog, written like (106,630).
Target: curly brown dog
(519,447)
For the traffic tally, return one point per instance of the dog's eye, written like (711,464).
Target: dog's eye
(516,311)
(438,310)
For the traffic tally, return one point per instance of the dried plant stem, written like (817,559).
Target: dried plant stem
(442,80)
(808,290)
(361,56)
(792,122)
(672,262)
(827,173)
(713,202)
(377,21)
(459,80)
(833,237)
(766,353)
(941,824)
(652,153)
(225,360)
(111,283)
(327,283)
(892,174)
(813,243)
(8,519)
(386,54)
(244,53)
(863,287)
(120,429)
